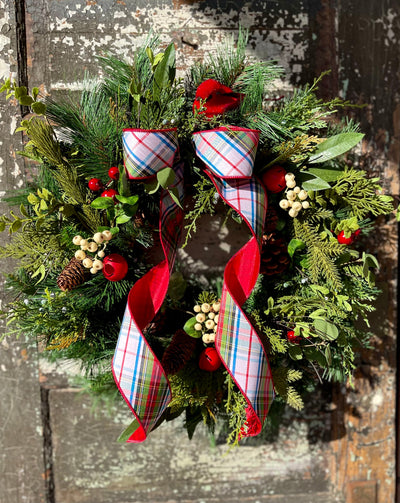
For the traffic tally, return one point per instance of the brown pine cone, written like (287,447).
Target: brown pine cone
(271,220)
(73,275)
(274,256)
(178,353)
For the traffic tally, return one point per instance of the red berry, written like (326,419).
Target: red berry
(291,337)
(95,184)
(113,173)
(274,179)
(209,360)
(109,193)
(115,267)
(350,240)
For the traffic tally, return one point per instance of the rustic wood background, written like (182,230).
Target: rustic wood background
(52,449)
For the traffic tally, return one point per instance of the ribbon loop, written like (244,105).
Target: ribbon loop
(226,151)
(137,372)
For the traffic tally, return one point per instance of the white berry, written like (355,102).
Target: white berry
(77,240)
(289,176)
(101,253)
(98,237)
(293,213)
(88,263)
(210,324)
(297,189)
(92,247)
(80,255)
(216,319)
(200,317)
(198,327)
(205,307)
(216,306)
(107,235)
(98,264)
(197,308)
(284,204)
(305,205)
(291,183)
(93,270)
(291,195)
(296,206)
(211,316)
(208,338)
(303,194)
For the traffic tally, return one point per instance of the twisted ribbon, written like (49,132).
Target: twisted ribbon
(229,155)
(137,372)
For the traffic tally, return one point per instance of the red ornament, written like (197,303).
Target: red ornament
(274,179)
(350,240)
(95,184)
(209,360)
(217,98)
(110,193)
(115,267)
(113,173)
(292,338)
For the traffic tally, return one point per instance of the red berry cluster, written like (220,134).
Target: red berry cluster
(350,240)
(95,184)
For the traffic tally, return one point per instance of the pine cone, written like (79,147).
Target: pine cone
(178,353)
(73,275)
(274,255)
(271,220)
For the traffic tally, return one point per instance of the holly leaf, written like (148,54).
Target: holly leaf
(335,146)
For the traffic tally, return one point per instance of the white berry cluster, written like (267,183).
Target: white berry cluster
(95,245)
(295,197)
(207,320)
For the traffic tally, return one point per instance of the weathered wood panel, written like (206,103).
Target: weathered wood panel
(21,454)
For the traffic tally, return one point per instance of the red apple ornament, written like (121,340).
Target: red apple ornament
(113,173)
(274,179)
(95,184)
(115,267)
(209,360)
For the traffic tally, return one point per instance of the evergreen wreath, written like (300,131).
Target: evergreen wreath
(83,231)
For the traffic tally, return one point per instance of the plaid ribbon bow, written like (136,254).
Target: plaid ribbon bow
(229,155)
(137,372)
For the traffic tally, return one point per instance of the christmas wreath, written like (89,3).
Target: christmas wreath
(129,167)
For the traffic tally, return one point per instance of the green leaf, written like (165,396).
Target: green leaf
(43,205)
(164,73)
(166,177)
(317,313)
(39,108)
(35,92)
(15,226)
(329,175)
(326,330)
(294,245)
(152,186)
(177,286)
(173,192)
(129,431)
(190,330)
(2,226)
(150,54)
(328,355)
(20,91)
(122,219)
(334,146)
(123,186)
(295,352)
(42,271)
(132,200)
(101,203)
(25,101)
(315,183)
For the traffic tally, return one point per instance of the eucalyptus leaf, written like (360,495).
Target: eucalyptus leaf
(164,73)
(294,245)
(190,330)
(166,177)
(132,200)
(122,219)
(39,108)
(335,146)
(326,330)
(102,203)
(25,101)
